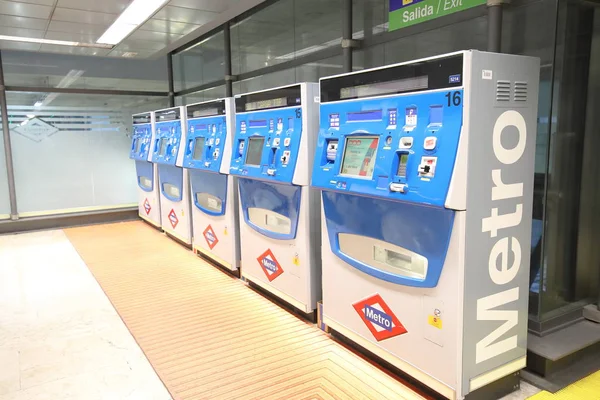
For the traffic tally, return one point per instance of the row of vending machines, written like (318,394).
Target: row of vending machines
(400,196)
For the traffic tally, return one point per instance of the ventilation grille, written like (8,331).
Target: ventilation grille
(503,91)
(520,91)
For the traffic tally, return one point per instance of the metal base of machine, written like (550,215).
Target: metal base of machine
(178,240)
(310,316)
(235,273)
(152,224)
(497,389)
(591,312)
(410,381)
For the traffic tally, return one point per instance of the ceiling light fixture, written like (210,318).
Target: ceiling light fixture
(50,41)
(133,16)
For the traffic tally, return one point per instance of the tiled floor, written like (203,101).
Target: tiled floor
(60,338)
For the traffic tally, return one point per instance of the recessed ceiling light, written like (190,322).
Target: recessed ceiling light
(38,103)
(50,41)
(133,16)
(129,54)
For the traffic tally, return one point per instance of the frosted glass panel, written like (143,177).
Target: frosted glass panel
(4,203)
(72,151)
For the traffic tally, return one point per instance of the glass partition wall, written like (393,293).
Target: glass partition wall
(289,41)
(69,119)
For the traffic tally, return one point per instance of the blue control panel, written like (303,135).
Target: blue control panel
(166,142)
(399,148)
(141,142)
(267,144)
(205,143)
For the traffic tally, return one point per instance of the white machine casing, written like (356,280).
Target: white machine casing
(182,209)
(226,252)
(443,357)
(300,284)
(149,202)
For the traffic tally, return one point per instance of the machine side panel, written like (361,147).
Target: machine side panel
(230,133)
(502,115)
(310,124)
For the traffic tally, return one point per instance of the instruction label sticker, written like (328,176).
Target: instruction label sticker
(435,321)
(379,318)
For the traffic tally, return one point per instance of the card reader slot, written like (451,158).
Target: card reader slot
(209,202)
(270,221)
(383,256)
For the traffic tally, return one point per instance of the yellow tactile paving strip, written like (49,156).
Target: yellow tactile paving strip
(586,389)
(209,336)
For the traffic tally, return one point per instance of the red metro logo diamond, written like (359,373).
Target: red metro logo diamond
(270,265)
(379,318)
(173,218)
(147,206)
(210,237)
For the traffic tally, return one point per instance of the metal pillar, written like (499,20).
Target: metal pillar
(170,78)
(10,173)
(495,25)
(347,35)
(229,78)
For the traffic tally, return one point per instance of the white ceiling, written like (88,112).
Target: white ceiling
(86,20)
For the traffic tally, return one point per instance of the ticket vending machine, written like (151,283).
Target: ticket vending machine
(146,171)
(214,193)
(273,147)
(169,148)
(426,171)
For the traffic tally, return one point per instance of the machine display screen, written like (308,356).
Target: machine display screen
(360,153)
(198,148)
(163,147)
(402,165)
(255,150)
(261,123)
(374,115)
(138,144)
(382,88)
(263,104)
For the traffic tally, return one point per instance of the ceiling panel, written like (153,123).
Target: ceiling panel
(6,45)
(161,25)
(74,27)
(22,22)
(186,15)
(24,9)
(88,17)
(52,48)
(208,5)
(160,37)
(21,32)
(103,6)
(86,20)
(135,45)
(40,2)
(73,37)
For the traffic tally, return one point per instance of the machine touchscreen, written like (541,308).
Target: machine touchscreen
(163,147)
(198,148)
(254,151)
(359,156)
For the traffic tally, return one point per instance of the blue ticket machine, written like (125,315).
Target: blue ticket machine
(214,192)
(146,171)
(426,172)
(279,214)
(174,181)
